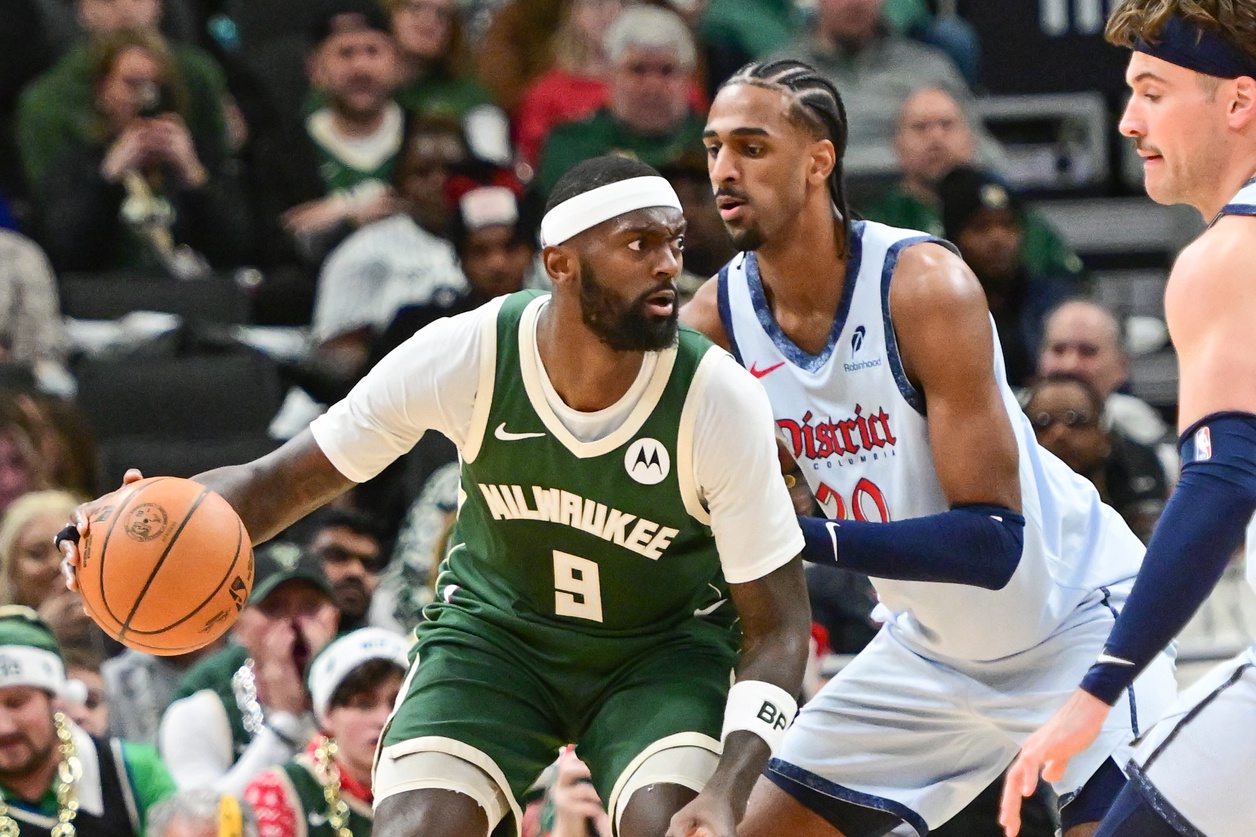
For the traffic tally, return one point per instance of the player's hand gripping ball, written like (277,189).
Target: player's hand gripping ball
(166,566)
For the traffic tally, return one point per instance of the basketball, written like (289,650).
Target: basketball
(167,567)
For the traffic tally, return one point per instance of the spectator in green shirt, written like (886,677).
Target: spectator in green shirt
(57,109)
(649,117)
(114,782)
(934,136)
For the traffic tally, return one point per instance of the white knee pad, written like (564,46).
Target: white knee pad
(445,764)
(687,759)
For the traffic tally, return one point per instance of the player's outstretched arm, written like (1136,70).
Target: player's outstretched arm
(776,627)
(268,493)
(278,489)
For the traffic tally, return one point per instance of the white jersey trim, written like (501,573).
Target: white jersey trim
(488,375)
(685,478)
(531,370)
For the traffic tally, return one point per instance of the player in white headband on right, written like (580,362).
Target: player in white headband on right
(625,541)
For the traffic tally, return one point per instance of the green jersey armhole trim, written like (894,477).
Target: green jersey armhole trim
(686,435)
(530,368)
(488,373)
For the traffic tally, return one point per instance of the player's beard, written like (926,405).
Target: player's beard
(625,326)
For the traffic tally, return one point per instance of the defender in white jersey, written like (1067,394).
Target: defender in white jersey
(1192,116)
(998,569)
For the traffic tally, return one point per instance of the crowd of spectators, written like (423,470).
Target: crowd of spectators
(358,169)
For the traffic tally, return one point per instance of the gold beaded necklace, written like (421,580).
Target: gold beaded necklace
(69,772)
(328,775)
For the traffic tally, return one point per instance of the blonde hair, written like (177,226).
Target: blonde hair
(18,516)
(1234,20)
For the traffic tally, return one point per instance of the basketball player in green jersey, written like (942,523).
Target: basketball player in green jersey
(624,543)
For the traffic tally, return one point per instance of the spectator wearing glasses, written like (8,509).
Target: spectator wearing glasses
(350,546)
(1066,412)
(648,115)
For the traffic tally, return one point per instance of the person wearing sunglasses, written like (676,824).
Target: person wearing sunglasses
(1066,413)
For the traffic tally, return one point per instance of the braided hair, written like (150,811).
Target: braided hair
(815,105)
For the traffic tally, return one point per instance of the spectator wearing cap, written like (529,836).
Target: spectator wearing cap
(116,782)
(495,244)
(319,177)
(202,812)
(648,116)
(246,708)
(57,108)
(986,221)
(932,136)
(326,790)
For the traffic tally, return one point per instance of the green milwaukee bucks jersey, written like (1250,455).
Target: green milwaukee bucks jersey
(608,537)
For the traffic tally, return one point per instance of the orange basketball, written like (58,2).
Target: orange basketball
(167,567)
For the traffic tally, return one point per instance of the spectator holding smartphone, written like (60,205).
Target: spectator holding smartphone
(143,187)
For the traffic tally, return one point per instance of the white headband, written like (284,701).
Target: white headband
(339,659)
(588,209)
(25,665)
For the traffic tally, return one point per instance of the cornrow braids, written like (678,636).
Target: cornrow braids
(815,105)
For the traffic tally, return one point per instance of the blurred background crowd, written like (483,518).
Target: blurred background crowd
(217,215)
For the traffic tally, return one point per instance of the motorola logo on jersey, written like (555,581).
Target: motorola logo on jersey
(856,343)
(816,439)
(647,461)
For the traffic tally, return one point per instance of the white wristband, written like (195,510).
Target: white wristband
(761,708)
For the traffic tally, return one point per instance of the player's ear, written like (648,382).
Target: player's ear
(821,160)
(1243,102)
(561,263)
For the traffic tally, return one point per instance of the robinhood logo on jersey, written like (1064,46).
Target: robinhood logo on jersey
(856,343)
(554,505)
(820,439)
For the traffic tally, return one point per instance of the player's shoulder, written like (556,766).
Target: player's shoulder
(1227,248)
(931,280)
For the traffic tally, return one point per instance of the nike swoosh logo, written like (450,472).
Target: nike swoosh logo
(506,436)
(1114,661)
(759,373)
(707,611)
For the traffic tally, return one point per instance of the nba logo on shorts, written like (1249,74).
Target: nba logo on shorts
(1203,444)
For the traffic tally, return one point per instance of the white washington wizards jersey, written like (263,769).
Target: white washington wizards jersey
(1244,203)
(857,428)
